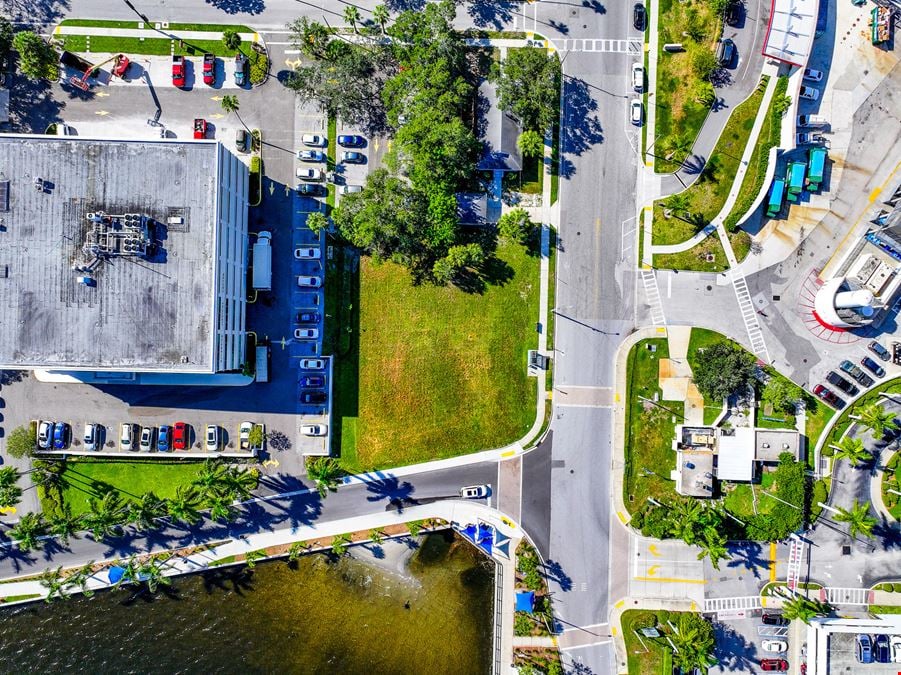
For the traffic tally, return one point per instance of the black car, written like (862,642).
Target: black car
(872,366)
(310,189)
(879,350)
(732,15)
(725,52)
(308,317)
(639,17)
(312,381)
(881,650)
(774,620)
(855,372)
(896,353)
(834,378)
(313,397)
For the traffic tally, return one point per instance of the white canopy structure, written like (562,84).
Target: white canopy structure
(790,33)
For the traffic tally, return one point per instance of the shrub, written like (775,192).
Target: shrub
(895,588)
(644,620)
(522,624)
(827,451)
(21,441)
(259,67)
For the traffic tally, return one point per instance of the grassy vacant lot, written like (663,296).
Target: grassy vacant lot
(678,113)
(91,478)
(649,428)
(439,371)
(753,180)
(707,195)
(695,258)
(740,501)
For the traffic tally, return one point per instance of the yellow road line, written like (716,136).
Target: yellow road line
(509,453)
(652,549)
(671,580)
(620,604)
(772,561)
(652,570)
(622,517)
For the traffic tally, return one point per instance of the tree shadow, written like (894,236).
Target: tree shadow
(491,13)
(581,126)
(389,487)
(748,554)
(32,106)
(554,571)
(238,6)
(595,5)
(404,5)
(887,534)
(237,580)
(732,649)
(19,558)
(37,13)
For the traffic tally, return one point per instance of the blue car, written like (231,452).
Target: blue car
(351,141)
(60,435)
(352,157)
(162,440)
(312,381)
(864,649)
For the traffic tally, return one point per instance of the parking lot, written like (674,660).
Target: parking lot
(739,645)
(843,657)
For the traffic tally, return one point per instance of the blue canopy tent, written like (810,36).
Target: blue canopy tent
(116,573)
(525,601)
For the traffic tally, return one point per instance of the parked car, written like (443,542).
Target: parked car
(308,317)
(147,439)
(91,436)
(309,282)
(812,121)
(807,138)
(178,71)
(809,93)
(60,435)
(209,69)
(240,66)
(311,155)
(834,378)
(312,364)
(309,174)
(180,438)
(864,648)
(774,646)
(306,333)
(212,437)
(314,140)
(725,52)
(127,436)
(351,141)
(199,128)
(241,140)
(881,651)
(312,381)
(311,189)
(162,439)
(774,665)
(639,16)
(353,157)
(313,397)
(896,648)
(636,111)
(879,350)
(350,189)
(872,366)
(638,77)
(244,435)
(813,75)
(771,619)
(45,434)
(896,353)
(855,372)
(314,429)
(732,15)
(308,253)
(829,396)
(475,491)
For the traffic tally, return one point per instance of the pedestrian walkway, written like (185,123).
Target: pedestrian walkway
(599,45)
(749,314)
(848,596)
(731,604)
(652,293)
(665,249)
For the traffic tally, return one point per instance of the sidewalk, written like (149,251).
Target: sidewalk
(149,33)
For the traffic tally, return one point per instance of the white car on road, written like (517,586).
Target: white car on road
(312,364)
(306,333)
(308,253)
(314,140)
(475,491)
(774,646)
(314,429)
(636,112)
(45,434)
(309,174)
(637,77)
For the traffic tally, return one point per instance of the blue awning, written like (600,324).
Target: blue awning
(525,601)
(116,573)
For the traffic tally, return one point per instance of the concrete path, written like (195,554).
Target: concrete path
(662,249)
(149,33)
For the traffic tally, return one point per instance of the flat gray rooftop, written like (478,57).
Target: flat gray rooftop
(152,313)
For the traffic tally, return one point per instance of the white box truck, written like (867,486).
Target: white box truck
(262,262)
(262,363)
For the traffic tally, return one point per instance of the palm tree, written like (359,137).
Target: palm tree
(877,419)
(851,449)
(678,145)
(63,524)
(183,506)
(52,580)
(377,535)
(106,515)
(10,492)
(858,518)
(151,573)
(251,557)
(221,507)
(380,16)
(352,16)
(48,474)
(686,514)
(210,478)
(80,578)
(326,473)
(297,548)
(804,609)
(240,483)
(339,544)
(130,574)
(693,644)
(28,530)
(677,203)
(713,544)
(145,512)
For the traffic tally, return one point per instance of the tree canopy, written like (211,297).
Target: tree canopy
(528,86)
(722,369)
(37,59)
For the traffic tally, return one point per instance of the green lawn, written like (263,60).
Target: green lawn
(678,112)
(90,478)
(440,372)
(696,258)
(818,416)
(647,656)
(741,244)
(649,428)
(331,158)
(872,396)
(753,180)
(707,195)
(110,44)
(774,420)
(530,180)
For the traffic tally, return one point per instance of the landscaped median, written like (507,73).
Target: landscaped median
(679,217)
(660,641)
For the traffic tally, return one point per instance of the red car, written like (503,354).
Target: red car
(829,396)
(178,71)
(199,128)
(180,436)
(777,665)
(209,69)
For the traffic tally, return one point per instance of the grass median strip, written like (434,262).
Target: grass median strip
(110,44)
(137,25)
